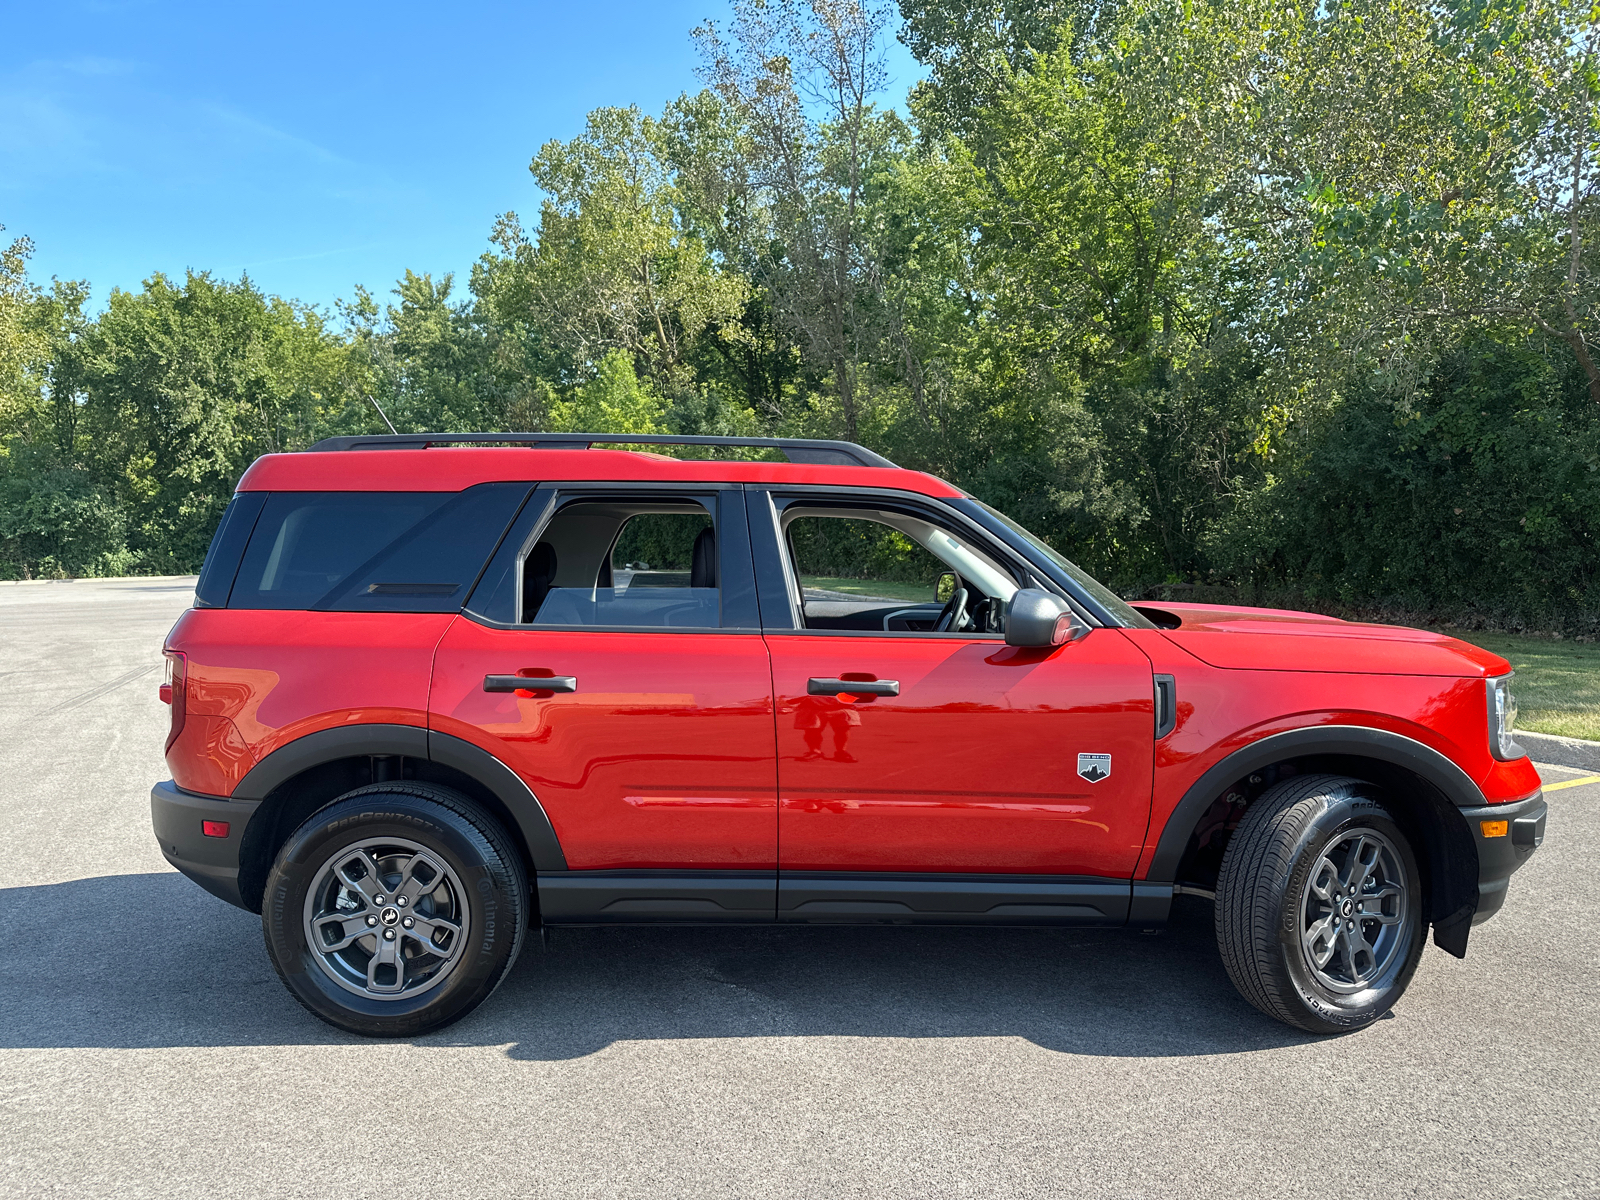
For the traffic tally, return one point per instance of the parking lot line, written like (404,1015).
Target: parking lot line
(1566,783)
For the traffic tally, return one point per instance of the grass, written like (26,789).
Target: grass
(1557,684)
(1558,680)
(919,592)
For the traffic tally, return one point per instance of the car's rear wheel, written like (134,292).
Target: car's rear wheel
(396,909)
(1319,905)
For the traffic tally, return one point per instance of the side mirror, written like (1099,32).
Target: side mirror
(1036,618)
(945,588)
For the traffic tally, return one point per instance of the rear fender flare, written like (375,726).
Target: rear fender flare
(409,741)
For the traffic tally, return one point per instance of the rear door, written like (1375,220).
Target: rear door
(651,746)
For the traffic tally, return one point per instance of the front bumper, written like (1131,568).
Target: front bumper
(212,862)
(1500,854)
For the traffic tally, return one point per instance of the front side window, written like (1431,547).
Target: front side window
(1109,600)
(623,563)
(866,569)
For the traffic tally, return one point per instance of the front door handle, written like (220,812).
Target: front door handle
(530,683)
(852,687)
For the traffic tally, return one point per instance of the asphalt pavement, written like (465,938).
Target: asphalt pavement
(146,1048)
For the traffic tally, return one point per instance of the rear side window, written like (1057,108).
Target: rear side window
(372,551)
(624,563)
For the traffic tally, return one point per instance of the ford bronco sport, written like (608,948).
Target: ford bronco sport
(436,690)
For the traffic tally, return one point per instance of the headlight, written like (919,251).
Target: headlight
(1503,720)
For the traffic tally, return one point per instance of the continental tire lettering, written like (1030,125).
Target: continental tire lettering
(279,900)
(486,890)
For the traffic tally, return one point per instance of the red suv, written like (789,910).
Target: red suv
(432,693)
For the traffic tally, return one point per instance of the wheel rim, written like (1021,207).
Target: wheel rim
(386,918)
(1354,911)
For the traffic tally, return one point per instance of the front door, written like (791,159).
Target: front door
(616,667)
(912,739)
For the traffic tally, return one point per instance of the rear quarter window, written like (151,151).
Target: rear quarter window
(227,548)
(372,551)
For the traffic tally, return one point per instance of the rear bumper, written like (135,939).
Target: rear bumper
(213,862)
(1500,854)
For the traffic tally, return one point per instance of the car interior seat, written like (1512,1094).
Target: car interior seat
(538,574)
(703,560)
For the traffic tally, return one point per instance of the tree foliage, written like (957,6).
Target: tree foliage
(1243,294)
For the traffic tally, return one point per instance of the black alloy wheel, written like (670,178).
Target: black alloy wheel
(395,910)
(1319,905)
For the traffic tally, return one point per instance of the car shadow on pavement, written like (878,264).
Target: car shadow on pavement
(139,961)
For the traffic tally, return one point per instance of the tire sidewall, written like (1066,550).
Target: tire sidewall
(491,932)
(1348,811)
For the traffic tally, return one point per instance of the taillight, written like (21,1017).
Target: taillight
(176,692)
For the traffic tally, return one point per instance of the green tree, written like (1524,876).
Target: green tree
(22,344)
(182,387)
(973,49)
(1485,210)
(802,75)
(428,361)
(614,401)
(613,265)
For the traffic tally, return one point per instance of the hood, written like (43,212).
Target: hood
(1276,639)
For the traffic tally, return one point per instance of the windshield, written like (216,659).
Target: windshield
(1108,599)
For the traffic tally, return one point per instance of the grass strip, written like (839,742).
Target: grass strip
(1557,684)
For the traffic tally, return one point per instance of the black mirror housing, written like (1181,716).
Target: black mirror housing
(945,588)
(1036,618)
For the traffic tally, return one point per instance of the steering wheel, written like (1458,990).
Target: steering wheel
(953,617)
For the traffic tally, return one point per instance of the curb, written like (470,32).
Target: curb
(82,579)
(1560,751)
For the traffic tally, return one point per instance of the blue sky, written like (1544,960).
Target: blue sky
(314,145)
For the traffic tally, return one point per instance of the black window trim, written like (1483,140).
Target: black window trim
(557,493)
(774,576)
(233,535)
(1063,584)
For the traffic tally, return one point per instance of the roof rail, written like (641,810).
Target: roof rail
(796,450)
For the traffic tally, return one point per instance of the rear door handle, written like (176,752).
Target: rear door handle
(530,683)
(853,687)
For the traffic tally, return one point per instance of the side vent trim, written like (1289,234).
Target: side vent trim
(1166,705)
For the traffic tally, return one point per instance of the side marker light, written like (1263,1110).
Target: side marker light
(220,828)
(1495,828)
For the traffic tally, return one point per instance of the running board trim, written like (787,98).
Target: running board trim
(936,899)
(618,897)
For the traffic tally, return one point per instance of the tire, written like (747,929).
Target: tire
(420,863)
(1308,846)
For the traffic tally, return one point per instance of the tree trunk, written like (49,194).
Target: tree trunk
(1580,348)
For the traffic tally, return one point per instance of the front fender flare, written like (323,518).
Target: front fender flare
(1455,887)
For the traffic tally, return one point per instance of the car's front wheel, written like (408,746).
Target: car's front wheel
(395,910)
(1319,905)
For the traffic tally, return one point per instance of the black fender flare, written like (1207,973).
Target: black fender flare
(1455,896)
(1356,741)
(412,741)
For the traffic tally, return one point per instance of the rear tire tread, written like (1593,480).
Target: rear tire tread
(495,839)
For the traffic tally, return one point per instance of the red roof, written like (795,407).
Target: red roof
(450,469)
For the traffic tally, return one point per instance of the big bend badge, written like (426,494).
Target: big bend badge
(1094,767)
